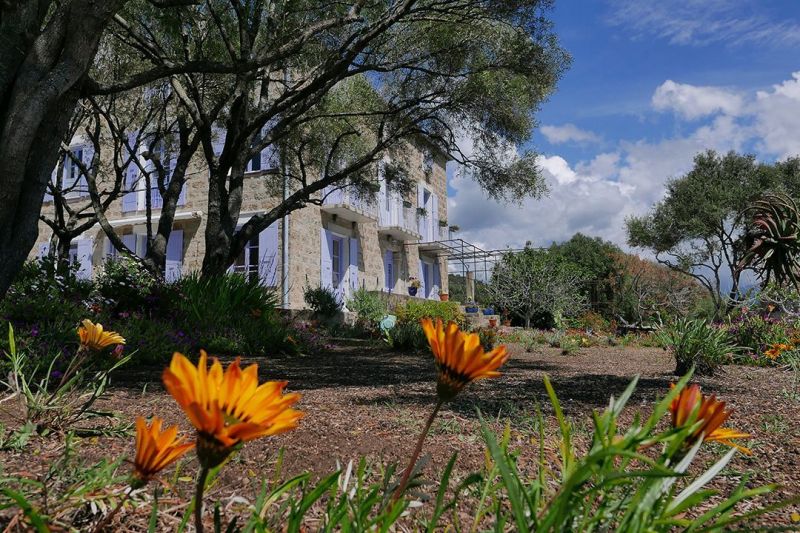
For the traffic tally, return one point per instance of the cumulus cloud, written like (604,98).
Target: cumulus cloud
(702,22)
(692,101)
(568,133)
(595,196)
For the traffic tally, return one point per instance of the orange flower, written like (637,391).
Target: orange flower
(711,414)
(155,449)
(94,338)
(460,358)
(777,349)
(228,407)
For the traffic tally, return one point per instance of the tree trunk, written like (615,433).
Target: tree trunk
(40,81)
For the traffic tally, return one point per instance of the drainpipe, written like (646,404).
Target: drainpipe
(285,224)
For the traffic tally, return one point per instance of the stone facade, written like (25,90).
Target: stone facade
(306,228)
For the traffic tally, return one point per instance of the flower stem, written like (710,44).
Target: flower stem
(198,500)
(105,521)
(415,456)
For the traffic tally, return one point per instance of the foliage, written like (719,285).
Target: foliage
(647,293)
(458,290)
(323,301)
(697,344)
(613,486)
(415,309)
(406,336)
(369,307)
(754,331)
(594,259)
(772,241)
(535,282)
(698,229)
(488,338)
(203,300)
(125,283)
(58,397)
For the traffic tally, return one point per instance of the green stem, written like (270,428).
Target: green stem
(105,521)
(415,456)
(198,500)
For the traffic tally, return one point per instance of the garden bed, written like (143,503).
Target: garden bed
(362,400)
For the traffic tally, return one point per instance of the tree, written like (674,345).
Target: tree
(697,228)
(339,87)
(594,257)
(533,282)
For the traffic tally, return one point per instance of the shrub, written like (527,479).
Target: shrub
(124,283)
(488,337)
(369,307)
(754,332)
(695,343)
(323,301)
(232,296)
(415,310)
(406,336)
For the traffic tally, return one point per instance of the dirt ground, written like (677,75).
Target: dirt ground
(362,400)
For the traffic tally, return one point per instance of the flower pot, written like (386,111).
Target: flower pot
(412,291)
(469,309)
(488,311)
(444,297)
(507,323)
(492,322)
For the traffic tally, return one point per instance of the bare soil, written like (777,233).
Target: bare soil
(362,400)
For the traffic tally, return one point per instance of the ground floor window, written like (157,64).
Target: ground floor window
(337,245)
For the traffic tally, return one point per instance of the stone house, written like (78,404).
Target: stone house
(378,243)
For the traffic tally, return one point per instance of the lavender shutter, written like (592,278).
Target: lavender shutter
(326,263)
(129,240)
(84,258)
(388,267)
(353,253)
(423,279)
(87,154)
(437,278)
(268,255)
(269,158)
(130,201)
(435,217)
(174,262)
(421,204)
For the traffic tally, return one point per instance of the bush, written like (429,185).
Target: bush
(415,310)
(695,343)
(754,332)
(323,301)
(369,307)
(406,336)
(124,284)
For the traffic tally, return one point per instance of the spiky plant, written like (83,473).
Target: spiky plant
(772,242)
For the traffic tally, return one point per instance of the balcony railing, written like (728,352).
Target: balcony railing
(346,203)
(398,221)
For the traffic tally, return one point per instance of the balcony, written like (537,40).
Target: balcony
(437,238)
(398,222)
(345,203)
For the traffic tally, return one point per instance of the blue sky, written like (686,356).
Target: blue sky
(652,83)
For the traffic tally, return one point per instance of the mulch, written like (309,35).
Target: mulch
(361,400)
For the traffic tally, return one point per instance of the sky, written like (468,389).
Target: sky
(652,83)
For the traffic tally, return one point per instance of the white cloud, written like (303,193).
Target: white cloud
(596,195)
(568,133)
(702,22)
(692,101)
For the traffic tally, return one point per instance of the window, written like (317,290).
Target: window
(255,163)
(336,260)
(248,261)
(73,253)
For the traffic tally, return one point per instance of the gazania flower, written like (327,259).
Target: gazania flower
(776,350)
(460,358)
(156,449)
(94,338)
(711,414)
(228,407)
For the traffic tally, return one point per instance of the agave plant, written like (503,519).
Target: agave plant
(773,241)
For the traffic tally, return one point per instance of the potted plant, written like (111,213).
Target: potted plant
(471,307)
(422,212)
(443,296)
(493,322)
(506,318)
(413,285)
(454,228)
(406,204)
(443,223)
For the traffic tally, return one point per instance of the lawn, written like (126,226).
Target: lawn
(362,400)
